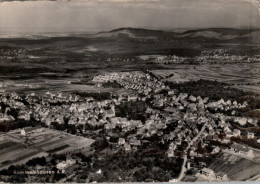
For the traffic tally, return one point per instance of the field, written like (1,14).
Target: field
(237,168)
(36,143)
(242,75)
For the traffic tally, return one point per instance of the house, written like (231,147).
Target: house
(237,148)
(230,134)
(65,164)
(109,126)
(222,176)
(227,129)
(216,150)
(132,98)
(211,132)
(82,107)
(127,147)
(241,121)
(134,142)
(170,153)
(178,141)
(193,154)
(192,106)
(209,137)
(226,140)
(236,132)
(121,141)
(195,144)
(23,133)
(171,92)
(89,99)
(110,113)
(207,172)
(188,139)
(99,171)
(192,98)
(215,137)
(195,131)
(250,135)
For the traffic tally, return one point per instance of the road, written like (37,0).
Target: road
(183,169)
(96,89)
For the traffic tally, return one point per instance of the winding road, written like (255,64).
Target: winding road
(183,169)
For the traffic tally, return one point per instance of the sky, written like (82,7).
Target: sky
(102,15)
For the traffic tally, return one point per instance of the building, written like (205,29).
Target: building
(236,132)
(221,176)
(127,147)
(121,141)
(250,135)
(23,133)
(207,172)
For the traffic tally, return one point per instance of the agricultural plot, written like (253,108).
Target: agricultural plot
(242,75)
(16,148)
(236,168)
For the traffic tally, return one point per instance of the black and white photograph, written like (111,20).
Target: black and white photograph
(129,91)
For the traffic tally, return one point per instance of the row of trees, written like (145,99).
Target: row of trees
(97,96)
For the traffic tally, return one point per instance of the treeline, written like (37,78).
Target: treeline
(72,129)
(132,110)
(19,123)
(113,84)
(97,96)
(211,89)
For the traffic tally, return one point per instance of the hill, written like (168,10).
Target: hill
(217,34)
(136,41)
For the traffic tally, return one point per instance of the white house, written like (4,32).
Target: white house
(23,133)
(207,172)
(121,141)
(250,135)
(221,176)
(236,132)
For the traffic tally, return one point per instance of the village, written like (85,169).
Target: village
(205,57)
(182,125)
(9,53)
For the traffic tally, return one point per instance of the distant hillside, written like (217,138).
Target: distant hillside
(224,34)
(217,34)
(135,41)
(136,34)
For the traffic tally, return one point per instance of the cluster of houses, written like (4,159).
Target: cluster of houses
(76,112)
(65,164)
(162,59)
(188,126)
(117,59)
(221,55)
(212,176)
(13,53)
(174,118)
(138,81)
(206,56)
(5,117)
